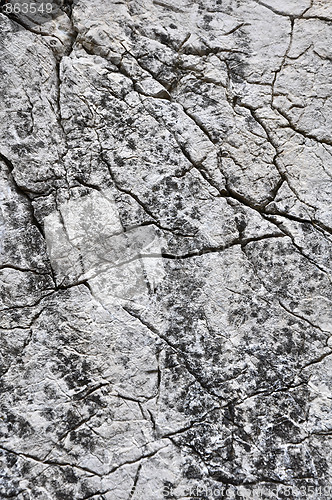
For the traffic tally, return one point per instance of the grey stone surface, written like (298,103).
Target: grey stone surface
(165,251)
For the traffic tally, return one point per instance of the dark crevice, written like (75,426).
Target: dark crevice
(280,12)
(179,352)
(23,192)
(49,462)
(302,318)
(134,461)
(136,478)
(300,131)
(238,241)
(21,269)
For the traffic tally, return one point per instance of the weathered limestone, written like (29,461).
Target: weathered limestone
(166,250)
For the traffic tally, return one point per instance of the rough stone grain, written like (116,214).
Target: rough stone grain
(165,251)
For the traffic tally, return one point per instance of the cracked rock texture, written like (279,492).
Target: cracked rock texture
(165,251)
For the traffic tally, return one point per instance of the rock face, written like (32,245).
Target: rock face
(166,250)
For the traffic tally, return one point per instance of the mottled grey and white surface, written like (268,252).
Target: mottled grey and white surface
(165,251)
